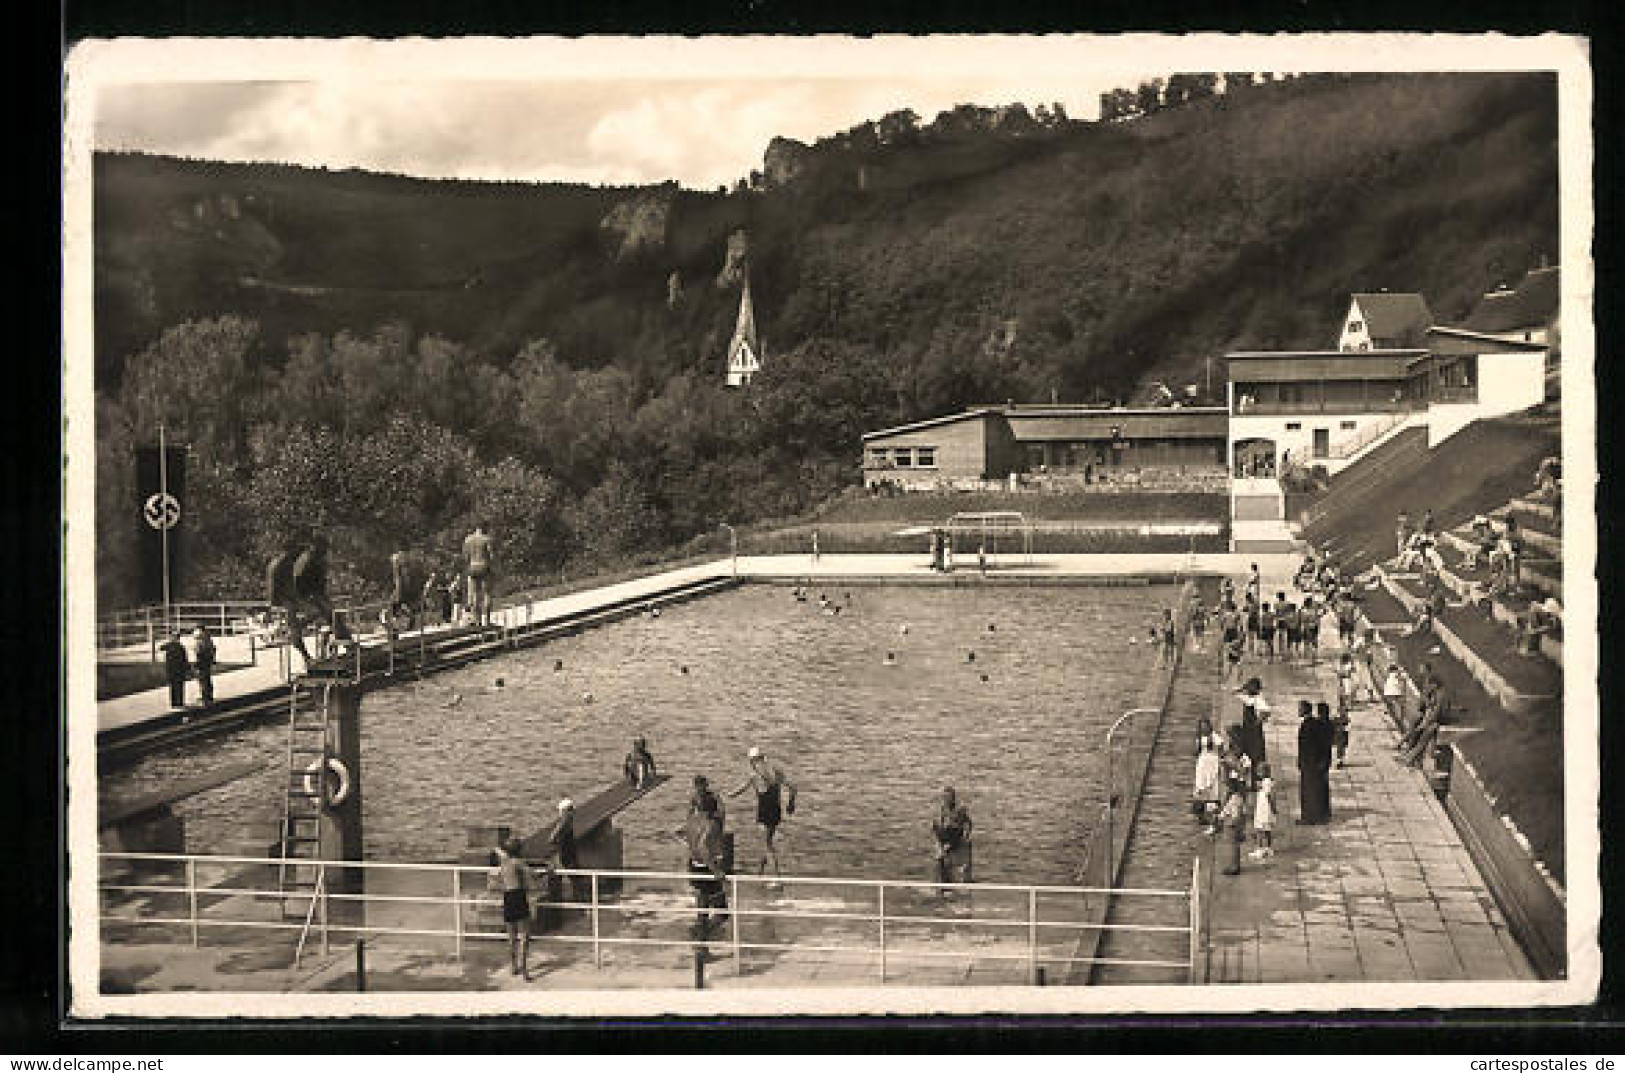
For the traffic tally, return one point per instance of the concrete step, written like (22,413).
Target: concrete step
(1477,665)
(1539,507)
(1263,536)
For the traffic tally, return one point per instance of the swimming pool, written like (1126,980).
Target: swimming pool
(1017,731)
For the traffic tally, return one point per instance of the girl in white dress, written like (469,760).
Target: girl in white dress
(1264,814)
(1205,793)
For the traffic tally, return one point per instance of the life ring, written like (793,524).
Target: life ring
(339,793)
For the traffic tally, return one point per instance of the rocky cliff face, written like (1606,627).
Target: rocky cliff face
(784,160)
(733,264)
(639,224)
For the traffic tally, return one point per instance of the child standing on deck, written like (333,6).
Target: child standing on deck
(1264,814)
(1198,624)
(1205,794)
(1234,825)
(1232,645)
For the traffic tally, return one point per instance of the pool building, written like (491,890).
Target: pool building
(993,443)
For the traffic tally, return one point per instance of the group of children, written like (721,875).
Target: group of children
(1225,775)
(1258,628)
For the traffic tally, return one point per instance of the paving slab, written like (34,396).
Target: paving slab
(1386,891)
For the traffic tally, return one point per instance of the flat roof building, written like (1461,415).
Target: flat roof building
(989,443)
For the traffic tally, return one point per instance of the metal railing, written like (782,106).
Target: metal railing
(1352,445)
(886,921)
(1120,793)
(1274,408)
(144,627)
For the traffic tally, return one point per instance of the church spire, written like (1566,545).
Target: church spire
(744,350)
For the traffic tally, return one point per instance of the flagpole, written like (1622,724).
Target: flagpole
(163,515)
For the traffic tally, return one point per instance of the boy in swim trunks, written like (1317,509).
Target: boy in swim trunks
(1266,631)
(707,858)
(775,798)
(1198,624)
(1232,644)
(952,829)
(517,882)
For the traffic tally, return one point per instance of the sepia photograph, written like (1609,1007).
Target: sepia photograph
(638,526)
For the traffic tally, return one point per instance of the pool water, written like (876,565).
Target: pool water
(869,746)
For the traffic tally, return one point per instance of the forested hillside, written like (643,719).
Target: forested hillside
(391,356)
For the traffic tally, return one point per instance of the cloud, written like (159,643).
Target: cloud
(617,131)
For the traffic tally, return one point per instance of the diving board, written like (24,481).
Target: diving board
(116,814)
(595,813)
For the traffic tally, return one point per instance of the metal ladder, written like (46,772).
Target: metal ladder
(308,742)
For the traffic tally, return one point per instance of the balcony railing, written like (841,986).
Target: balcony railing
(1327,406)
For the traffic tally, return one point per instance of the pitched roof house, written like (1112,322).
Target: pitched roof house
(1384,321)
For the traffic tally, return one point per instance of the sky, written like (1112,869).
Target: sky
(637,110)
(620,115)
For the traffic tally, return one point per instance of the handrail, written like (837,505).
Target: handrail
(1112,797)
(620,873)
(1013,929)
(1343,448)
(317,894)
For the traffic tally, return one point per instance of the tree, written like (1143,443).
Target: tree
(899,127)
(195,380)
(616,519)
(525,511)
(1149,96)
(1119,104)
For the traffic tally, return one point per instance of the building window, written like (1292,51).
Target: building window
(1365,346)
(903,457)
(926,457)
(879,457)
(1345,425)
(1354,325)
(1294,426)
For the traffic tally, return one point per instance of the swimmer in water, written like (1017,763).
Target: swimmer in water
(970,657)
(775,799)
(891,659)
(903,629)
(558,665)
(639,764)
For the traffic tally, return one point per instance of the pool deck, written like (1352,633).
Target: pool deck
(1385,893)
(266,673)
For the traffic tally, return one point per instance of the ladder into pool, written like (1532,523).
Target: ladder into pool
(306,785)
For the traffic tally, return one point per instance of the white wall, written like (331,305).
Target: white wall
(1445,419)
(1508,383)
